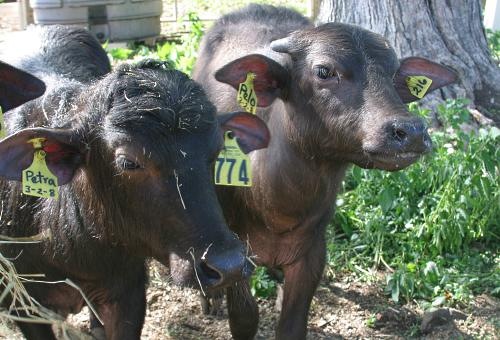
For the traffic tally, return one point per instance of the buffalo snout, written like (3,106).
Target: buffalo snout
(396,143)
(220,269)
(408,135)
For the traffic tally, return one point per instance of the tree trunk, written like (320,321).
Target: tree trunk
(449,32)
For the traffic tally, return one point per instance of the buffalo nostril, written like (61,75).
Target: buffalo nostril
(210,272)
(427,141)
(399,134)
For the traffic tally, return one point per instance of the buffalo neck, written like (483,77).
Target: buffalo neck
(292,187)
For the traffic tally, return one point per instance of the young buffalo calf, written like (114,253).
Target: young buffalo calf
(133,156)
(331,95)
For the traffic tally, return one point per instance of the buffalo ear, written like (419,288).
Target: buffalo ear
(17,87)
(271,78)
(415,66)
(283,45)
(251,131)
(63,147)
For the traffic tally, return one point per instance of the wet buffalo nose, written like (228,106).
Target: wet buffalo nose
(210,272)
(410,136)
(218,270)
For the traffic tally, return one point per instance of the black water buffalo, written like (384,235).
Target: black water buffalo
(71,53)
(332,96)
(131,157)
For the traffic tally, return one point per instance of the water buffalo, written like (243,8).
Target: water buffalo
(131,157)
(332,96)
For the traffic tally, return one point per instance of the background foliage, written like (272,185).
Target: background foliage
(433,227)
(494,44)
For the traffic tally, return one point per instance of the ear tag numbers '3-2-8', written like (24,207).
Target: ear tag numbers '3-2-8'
(418,85)
(232,166)
(3,131)
(246,94)
(37,179)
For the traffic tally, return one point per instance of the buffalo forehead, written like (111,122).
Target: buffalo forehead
(352,46)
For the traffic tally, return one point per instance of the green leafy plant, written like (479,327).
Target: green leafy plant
(441,214)
(261,285)
(371,321)
(451,280)
(493,38)
(120,53)
(182,54)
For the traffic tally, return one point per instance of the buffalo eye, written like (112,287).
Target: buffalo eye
(123,163)
(325,73)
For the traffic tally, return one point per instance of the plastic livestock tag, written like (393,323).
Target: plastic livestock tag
(3,131)
(37,179)
(246,94)
(232,166)
(418,85)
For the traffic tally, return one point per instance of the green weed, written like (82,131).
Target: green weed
(182,55)
(261,284)
(371,321)
(435,225)
(493,38)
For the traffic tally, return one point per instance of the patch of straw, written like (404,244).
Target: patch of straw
(191,252)
(17,305)
(179,188)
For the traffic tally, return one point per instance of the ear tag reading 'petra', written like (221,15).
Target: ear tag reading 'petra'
(418,85)
(3,131)
(233,166)
(37,179)
(246,94)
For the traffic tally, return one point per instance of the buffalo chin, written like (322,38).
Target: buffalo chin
(388,162)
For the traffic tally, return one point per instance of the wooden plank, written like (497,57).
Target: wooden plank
(492,15)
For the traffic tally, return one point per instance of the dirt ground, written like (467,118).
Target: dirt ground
(343,309)
(340,310)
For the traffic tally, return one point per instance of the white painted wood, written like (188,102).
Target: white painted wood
(492,15)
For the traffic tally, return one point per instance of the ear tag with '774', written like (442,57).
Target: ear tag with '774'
(37,179)
(233,166)
(418,85)
(3,131)
(246,94)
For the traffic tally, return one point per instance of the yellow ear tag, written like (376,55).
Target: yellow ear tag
(37,179)
(3,131)
(233,166)
(246,94)
(418,85)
